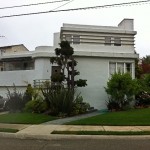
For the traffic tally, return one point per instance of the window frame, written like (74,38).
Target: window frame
(124,68)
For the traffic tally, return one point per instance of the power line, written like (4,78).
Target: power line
(82,8)
(9,7)
(62,5)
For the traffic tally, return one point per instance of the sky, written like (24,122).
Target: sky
(37,30)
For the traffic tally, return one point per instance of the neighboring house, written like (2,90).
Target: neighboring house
(99,50)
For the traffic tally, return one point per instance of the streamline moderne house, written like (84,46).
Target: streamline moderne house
(99,50)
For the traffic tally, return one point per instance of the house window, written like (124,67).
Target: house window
(18,65)
(120,67)
(112,68)
(72,39)
(117,41)
(76,39)
(107,40)
(68,38)
(128,67)
(1,66)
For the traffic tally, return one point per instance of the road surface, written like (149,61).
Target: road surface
(75,144)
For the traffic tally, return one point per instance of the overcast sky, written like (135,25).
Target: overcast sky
(37,30)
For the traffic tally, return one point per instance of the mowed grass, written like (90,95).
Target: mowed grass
(25,118)
(8,130)
(134,117)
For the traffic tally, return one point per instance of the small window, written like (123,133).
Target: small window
(117,41)
(56,70)
(107,40)
(76,39)
(68,38)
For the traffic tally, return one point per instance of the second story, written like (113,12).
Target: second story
(109,39)
(12,49)
(15,57)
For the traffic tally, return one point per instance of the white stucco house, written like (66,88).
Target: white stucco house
(99,50)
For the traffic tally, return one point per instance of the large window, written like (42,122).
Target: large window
(16,65)
(121,67)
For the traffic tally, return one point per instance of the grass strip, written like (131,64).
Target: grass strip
(133,117)
(8,130)
(25,118)
(102,132)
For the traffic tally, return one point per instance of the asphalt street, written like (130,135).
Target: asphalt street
(76,144)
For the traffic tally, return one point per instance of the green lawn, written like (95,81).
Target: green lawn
(8,130)
(132,117)
(25,118)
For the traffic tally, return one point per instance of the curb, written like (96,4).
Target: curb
(69,137)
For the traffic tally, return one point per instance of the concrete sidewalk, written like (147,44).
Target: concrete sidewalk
(74,118)
(44,131)
(48,129)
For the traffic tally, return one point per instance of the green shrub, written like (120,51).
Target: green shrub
(15,100)
(80,107)
(143,97)
(58,77)
(81,83)
(113,105)
(121,89)
(28,94)
(59,100)
(36,106)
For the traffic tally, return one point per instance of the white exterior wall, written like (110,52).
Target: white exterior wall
(20,78)
(42,68)
(127,24)
(96,72)
(102,48)
(56,39)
